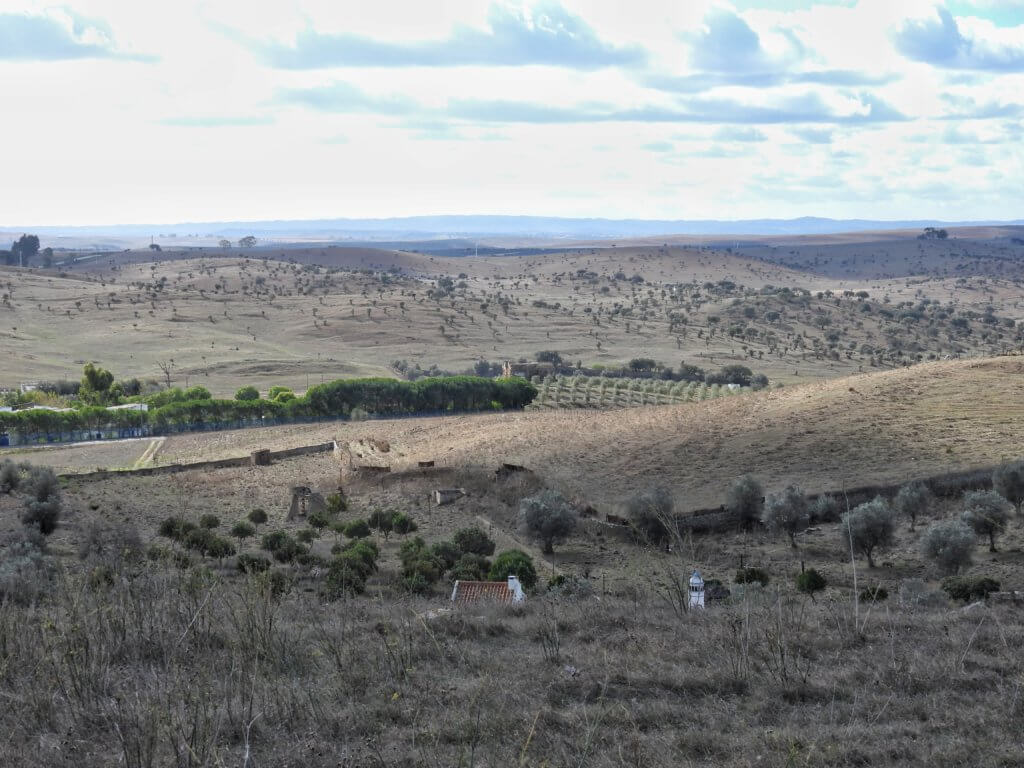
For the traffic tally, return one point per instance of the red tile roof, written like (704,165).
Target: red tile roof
(478,591)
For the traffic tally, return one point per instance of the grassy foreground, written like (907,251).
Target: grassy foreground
(190,669)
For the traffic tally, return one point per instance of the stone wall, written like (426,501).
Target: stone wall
(170,469)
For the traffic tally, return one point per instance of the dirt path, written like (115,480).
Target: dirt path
(149,454)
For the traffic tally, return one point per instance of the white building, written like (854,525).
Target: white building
(696,590)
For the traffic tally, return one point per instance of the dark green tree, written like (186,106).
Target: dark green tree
(24,249)
(473,540)
(247,393)
(514,562)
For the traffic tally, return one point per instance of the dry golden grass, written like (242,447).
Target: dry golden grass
(195,668)
(227,321)
(880,427)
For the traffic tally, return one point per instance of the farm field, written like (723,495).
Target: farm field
(598,392)
(82,457)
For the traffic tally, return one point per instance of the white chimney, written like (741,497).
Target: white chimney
(515,588)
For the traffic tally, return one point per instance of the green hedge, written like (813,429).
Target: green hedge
(175,410)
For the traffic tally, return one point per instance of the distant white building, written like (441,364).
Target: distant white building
(129,407)
(696,590)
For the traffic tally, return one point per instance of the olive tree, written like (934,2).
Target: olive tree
(948,544)
(868,527)
(745,499)
(547,518)
(649,511)
(1008,481)
(825,509)
(912,502)
(787,512)
(986,513)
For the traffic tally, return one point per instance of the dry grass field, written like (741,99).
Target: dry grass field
(880,427)
(888,427)
(157,665)
(299,316)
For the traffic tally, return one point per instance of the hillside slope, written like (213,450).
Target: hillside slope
(877,427)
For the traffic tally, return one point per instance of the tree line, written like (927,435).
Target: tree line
(194,408)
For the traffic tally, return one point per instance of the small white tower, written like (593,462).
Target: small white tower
(696,590)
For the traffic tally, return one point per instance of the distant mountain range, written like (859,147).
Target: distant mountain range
(430,227)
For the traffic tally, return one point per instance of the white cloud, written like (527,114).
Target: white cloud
(714,111)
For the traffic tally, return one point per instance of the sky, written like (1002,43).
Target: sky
(123,112)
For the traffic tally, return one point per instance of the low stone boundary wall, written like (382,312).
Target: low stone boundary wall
(170,469)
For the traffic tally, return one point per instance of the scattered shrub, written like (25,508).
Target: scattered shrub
(26,573)
(276,582)
(175,528)
(366,552)
(810,581)
(448,553)
(914,593)
(248,563)
(474,541)
(209,521)
(336,503)
(873,594)
(281,545)
(357,529)
(570,587)
(416,582)
(10,477)
(111,545)
(320,519)
(752,576)
(42,500)
(968,588)
(469,567)
(403,524)
(649,512)
(345,577)
(382,520)
(257,517)
(206,542)
(243,530)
